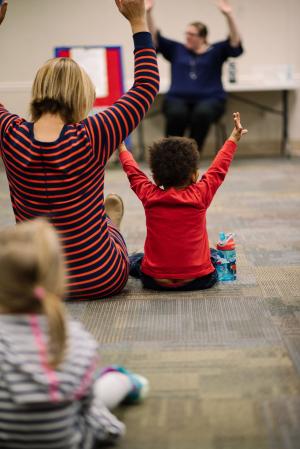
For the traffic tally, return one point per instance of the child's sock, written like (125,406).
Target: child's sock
(117,385)
(140,385)
(112,388)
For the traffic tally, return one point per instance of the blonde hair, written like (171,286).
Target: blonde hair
(62,87)
(31,259)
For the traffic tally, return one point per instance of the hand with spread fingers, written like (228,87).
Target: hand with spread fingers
(238,131)
(225,7)
(3,9)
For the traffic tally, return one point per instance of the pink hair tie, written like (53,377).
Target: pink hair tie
(39,293)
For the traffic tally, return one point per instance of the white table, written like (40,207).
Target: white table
(284,87)
(257,86)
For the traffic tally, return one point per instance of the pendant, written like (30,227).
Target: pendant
(193,76)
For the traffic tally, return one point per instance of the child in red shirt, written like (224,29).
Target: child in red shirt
(177,254)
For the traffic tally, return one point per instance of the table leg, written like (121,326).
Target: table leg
(285,128)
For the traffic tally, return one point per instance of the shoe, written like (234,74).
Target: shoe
(140,385)
(114,208)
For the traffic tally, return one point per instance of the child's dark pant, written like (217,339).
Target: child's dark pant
(201,283)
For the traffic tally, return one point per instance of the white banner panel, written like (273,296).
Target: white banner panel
(93,60)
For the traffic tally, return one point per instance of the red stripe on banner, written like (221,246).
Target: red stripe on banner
(63,53)
(114,71)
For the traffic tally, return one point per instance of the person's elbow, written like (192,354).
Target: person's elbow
(155,79)
(153,85)
(150,79)
(237,48)
(236,42)
(157,84)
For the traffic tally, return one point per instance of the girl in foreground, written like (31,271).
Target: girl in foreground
(51,394)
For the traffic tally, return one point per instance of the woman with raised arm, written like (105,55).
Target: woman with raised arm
(196,98)
(55,163)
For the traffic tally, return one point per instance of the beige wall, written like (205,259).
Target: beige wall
(270,32)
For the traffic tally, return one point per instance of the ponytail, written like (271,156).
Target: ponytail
(32,279)
(54,311)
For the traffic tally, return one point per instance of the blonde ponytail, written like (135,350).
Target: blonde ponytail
(32,279)
(54,311)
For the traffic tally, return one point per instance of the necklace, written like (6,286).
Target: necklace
(193,68)
(193,63)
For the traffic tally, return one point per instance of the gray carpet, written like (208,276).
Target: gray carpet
(224,364)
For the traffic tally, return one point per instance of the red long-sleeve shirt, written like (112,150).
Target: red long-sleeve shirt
(177,245)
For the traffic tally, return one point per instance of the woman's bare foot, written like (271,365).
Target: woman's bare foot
(114,208)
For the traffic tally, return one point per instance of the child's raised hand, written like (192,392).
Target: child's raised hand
(122,147)
(3,9)
(238,131)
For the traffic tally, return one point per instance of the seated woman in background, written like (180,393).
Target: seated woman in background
(55,164)
(196,98)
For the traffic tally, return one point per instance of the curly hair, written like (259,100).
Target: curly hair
(173,160)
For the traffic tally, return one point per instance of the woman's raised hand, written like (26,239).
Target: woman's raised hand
(149,5)
(3,9)
(225,7)
(133,10)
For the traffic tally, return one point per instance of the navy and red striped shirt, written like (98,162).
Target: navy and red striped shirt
(64,180)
